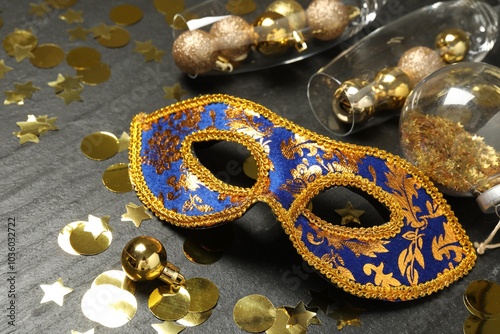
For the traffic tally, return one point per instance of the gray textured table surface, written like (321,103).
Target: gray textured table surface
(48,185)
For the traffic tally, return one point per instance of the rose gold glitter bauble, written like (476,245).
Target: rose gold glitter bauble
(327,18)
(420,61)
(194,52)
(233,37)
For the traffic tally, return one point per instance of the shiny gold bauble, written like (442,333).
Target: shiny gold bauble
(453,45)
(194,52)
(420,61)
(354,101)
(292,10)
(392,86)
(327,18)
(143,258)
(233,37)
(272,33)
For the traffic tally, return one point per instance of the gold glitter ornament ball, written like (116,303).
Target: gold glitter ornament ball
(420,61)
(143,258)
(453,45)
(327,18)
(233,37)
(194,52)
(353,102)
(272,32)
(292,10)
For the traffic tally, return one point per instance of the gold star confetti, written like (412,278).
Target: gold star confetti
(40,9)
(135,214)
(141,47)
(70,96)
(27,89)
(123,142)
(72,16)
(102,30)
(154,54)
(33,127)
(78,33)
(20,92)
(168,327)
(174,92)
(55,292)
(96,225)
(280,325)
(91,331)
(346,315)
(320,299)
(350,214)
(4,68)
(299,315)
(13,98)
(22,52)
(66,83)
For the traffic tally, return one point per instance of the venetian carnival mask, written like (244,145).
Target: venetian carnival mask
(420,249)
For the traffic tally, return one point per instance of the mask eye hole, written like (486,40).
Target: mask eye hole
(350,207)
(225,160)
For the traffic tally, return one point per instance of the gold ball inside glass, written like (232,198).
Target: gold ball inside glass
(143,258)
(354,101)
(392,86)
(272,31)
(453,45)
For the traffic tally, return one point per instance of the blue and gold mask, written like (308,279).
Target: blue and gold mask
(420,250)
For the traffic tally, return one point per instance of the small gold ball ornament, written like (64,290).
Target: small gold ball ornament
(354,101)
(292,10)
(392,86)
(420,61)
(233,37)
(143,258)
(453,45)
(194,52)
(272,33)
(327,18)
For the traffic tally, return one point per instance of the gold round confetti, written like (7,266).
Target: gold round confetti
(193,319)
(163,6)
(125,14)
(482,298)
(204,294)
(117,278)
(21,38)
(94,75)
(47,56)
(195,253)
(84,243)
(64,235)
(475,325)
(118,37)
(109,305)
(169,302)
(61,4)
(100,145)
(116,178)
(254,313)
(83,57)
(250,167)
